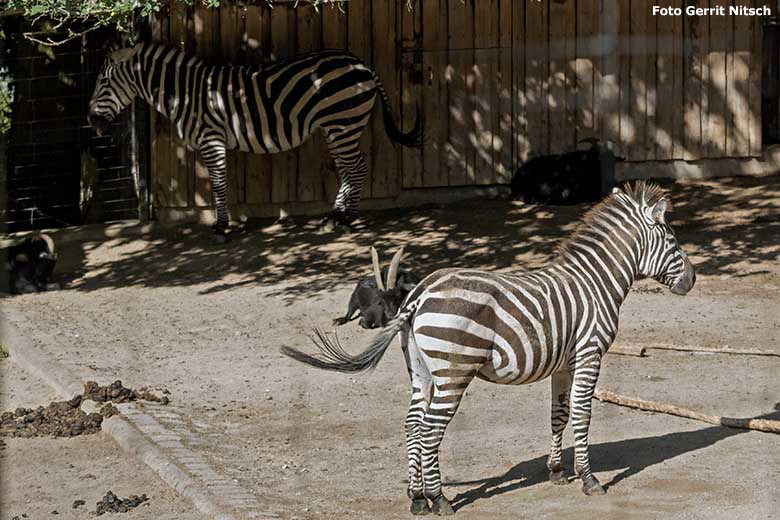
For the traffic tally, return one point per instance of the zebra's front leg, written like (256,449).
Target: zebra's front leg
(214,153)
(561,390)
(585,378)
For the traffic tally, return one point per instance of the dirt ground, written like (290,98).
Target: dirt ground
(42,475)
(173,310)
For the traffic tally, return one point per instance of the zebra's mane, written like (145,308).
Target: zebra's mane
(640,194)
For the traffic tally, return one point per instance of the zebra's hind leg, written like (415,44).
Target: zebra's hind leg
(447,394)
(560,389)
(422,385)
(584,385)
(352,170)
(214,153)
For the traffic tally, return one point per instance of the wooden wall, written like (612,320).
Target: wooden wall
(498,80)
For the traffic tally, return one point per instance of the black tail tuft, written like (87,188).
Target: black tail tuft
(333,357)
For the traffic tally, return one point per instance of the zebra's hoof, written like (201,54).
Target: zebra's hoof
(221,238)
(558,477)
(441,506)
(419,507)
(592,487)
(327,225)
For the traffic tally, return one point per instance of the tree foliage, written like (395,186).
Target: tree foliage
(55,22)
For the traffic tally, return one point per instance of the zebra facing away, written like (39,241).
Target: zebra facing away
(556,322)
(261,109)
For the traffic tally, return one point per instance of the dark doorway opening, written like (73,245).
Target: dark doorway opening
(770,84)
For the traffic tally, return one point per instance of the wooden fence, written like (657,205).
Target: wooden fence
(498,80)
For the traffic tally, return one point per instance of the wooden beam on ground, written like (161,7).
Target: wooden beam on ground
(628,350)
(714,350)
(764,425)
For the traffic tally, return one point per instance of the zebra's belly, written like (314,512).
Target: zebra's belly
(520,366)
(268,145)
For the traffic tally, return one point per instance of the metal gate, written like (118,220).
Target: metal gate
(57,171)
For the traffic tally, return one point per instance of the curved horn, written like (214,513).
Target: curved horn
(377,270)
(392,273)
(49,242)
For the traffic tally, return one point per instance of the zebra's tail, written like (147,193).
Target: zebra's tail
(413,138)
(332,356)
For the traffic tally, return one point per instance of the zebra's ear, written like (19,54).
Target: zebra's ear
(121,55)
(615,190)
(659,210)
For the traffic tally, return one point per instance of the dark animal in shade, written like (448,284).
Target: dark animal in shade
(378,302)
(31,263)
(570,178)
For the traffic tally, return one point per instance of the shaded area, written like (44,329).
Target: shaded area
(630,455)
(727,226)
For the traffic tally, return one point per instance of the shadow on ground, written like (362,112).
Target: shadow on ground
(631,456)
(721,223)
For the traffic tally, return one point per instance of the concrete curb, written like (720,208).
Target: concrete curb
(66,385)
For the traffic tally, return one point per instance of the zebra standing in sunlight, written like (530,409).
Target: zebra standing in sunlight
(558,321)
(261,109)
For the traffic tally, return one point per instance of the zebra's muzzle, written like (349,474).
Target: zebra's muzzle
(686,281)
(99,123)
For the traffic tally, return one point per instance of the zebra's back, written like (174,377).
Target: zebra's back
(276,107)
(510,329)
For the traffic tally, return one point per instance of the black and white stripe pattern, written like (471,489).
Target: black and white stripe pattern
(260,109)
(554,322)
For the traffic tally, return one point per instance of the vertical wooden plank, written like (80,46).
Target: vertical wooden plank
(536,76)
(309,187)
(696,37)
(585,117)
(206,42)
(230,28)
(626,129)
(607,79)
(435,96)
(155,27)
(284,165)
(386,170)
(162,143)
(754,86)
(716,60)
(360,42)
(461,91)
(651,75)
(255,40)
(738,88)
(334,36)
(182,161)
(503,139)
(485,105)
(639,53)
(560,102)
(664,77)
(413,73)
(678,96)
(521,144)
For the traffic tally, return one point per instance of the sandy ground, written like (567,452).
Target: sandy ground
(172,310)
(43,475)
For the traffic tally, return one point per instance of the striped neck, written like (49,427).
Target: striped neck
(607,247)
(154,67)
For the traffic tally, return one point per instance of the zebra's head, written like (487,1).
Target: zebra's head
(114,89)
(661,257)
